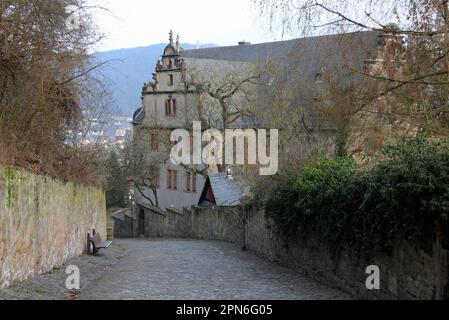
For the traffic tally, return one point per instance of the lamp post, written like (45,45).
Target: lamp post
(245,226)
(244,219)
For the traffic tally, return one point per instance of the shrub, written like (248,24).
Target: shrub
(281,204)
(319,197)
(408,191)
(327,192)
(365,209)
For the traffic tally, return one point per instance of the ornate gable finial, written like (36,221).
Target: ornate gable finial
(171,37)
(178,44)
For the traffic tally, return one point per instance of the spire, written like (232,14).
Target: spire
(170,50)
(171,37)
(178,44)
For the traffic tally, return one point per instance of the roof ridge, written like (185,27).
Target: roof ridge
(326,36)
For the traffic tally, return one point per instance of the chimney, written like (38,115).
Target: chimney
(390,31)
(391,28)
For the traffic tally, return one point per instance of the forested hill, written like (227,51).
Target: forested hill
(127,71)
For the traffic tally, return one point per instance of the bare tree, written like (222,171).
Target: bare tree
(144,167)
(44,74)
(408,92)
(225,92)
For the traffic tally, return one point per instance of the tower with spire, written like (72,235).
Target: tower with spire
(167,105)
(170,69)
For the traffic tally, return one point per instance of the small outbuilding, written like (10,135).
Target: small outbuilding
(221,189)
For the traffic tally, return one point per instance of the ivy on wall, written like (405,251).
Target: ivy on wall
(350,206)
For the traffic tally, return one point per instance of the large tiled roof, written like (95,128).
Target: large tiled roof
(303,61)
(307,54)
(242,53)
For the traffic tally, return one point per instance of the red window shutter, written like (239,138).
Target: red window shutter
(174,108)
(175,180)
(167,108)
(193,182)
(189,182)
(169,179)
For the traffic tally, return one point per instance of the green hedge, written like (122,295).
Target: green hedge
(350,206)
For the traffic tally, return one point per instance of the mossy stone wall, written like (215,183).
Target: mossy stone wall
(44,222)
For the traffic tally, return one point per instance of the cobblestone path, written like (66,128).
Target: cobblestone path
(51,286)
(190,270)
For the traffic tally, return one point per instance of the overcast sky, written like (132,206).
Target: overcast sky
(133,23)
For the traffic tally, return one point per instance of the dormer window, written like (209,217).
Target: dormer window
(171,107)
(170,80)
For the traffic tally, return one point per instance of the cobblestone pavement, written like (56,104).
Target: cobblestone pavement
(196,270)
(51,286)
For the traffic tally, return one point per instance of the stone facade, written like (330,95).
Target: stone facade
(166,105)
(44,223)
(412,271)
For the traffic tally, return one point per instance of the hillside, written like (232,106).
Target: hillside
(128,69)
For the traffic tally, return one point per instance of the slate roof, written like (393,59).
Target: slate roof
(138,116)
(306,59)
(242,53)
(309,55)
(227,192)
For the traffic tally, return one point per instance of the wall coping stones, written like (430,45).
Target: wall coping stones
(154,209)
(176,211)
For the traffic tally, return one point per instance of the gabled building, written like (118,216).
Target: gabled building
(222,189)
(168,103)
(166,106)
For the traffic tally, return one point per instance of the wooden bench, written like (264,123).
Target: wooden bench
(96,242)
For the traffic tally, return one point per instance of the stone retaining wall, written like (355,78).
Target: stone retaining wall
(411,271)
(44,223)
